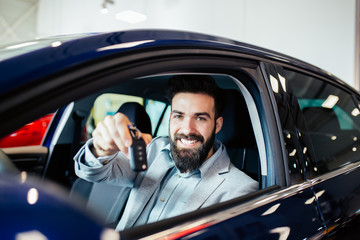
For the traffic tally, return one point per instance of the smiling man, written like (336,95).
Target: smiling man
(192,130)
(188,170)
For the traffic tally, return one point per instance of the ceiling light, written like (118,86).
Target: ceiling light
(130,16)
(355,112)
(33,196)
(104,11)
(104,8)
(56,44)
(330,101)
(282,81)
(274,84)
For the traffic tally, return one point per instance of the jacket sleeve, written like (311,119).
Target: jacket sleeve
(114,169)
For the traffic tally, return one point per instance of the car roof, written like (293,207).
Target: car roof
(25,62)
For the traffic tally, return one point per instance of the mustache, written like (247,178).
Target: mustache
(189,137)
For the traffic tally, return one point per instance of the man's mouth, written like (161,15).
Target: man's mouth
(188,141)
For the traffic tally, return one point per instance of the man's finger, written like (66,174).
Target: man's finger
(122,124)
(147,138)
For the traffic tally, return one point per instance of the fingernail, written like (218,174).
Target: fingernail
(128,143)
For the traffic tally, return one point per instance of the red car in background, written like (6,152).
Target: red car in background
(28,135)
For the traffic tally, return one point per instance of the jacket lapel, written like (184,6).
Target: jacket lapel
(148,182)
(209,183)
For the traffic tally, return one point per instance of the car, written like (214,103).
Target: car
(28,135)
(289,125)
(36,209)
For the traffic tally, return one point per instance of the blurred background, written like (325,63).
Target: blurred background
(322,32)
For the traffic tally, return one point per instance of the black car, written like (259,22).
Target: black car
(289,125)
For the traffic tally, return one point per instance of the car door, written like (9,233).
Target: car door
(26,146)
(330,112)
(268,213)
(281,208)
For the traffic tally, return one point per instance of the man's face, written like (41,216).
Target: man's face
(192,129)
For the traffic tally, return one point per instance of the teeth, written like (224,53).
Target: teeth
(188,141)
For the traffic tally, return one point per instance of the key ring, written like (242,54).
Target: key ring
(134,131)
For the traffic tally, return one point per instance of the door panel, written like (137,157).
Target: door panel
(290,213)
(30,159)
(332,124)
(338,194)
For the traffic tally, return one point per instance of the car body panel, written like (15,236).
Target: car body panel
(40,210)
(269,216)
(330,194)
(75,52)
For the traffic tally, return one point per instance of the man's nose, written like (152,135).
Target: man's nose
(188,126)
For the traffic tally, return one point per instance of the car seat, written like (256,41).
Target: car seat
(238,136)
(320,119)
(137,115)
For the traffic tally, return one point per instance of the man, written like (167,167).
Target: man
(188,170)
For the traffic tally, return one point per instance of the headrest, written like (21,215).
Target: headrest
(137,115)
(237,131)
(320,119)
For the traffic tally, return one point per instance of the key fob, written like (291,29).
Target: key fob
(137,152)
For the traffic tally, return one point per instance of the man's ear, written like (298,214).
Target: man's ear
(218,124)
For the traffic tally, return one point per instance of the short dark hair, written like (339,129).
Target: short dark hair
(197,84)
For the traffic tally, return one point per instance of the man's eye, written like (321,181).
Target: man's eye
(177,116)
(200,119)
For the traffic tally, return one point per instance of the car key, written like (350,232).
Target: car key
(137,150)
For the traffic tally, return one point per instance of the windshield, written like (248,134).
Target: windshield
(19,48)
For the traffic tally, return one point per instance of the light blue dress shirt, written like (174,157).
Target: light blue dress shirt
(162,191)
(175,188)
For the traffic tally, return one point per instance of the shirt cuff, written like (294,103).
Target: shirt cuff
(92,161)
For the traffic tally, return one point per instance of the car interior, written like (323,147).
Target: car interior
(143,100)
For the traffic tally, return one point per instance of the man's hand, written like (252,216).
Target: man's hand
(112,135)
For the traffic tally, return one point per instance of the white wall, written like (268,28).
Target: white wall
(320,32)
(17,20)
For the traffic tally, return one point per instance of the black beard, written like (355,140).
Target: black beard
(188,160)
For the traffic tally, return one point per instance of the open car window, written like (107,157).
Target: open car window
(241,132)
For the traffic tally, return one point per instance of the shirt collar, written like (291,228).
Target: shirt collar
(218,148)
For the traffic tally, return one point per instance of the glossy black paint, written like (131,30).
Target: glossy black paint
(282,219)
(30,208)
(339,196)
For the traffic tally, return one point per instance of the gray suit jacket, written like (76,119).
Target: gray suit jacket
(222,182)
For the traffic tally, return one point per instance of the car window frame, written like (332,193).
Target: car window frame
(329,80)
(221,63)
(254,107)
(230,66)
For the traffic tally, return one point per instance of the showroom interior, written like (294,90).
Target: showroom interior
(323,32)
(295,129)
